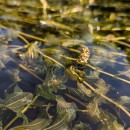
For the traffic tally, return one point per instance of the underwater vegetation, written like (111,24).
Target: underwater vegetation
(64,65)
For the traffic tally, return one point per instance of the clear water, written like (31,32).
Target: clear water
(25,16)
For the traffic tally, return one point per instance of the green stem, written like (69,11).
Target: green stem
(23,111)
(26,69)
(55,61)
(21,37)
(108,99)
(34,37)
(109,74)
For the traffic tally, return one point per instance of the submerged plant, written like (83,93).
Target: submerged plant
(69,72)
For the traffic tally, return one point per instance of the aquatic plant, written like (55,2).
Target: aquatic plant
(69,69)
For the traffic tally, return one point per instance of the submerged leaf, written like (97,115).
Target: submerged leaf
(37,124)
(77,92)
(14,75)
(18,100)
(82,126)
(2,65)
(93,75)
(17,89)
(84,90)
(124,100)
(117,126)
(112,125)
(44,92)
(125,72)
(65,108)
(93,108)
(102,87)
(59,125)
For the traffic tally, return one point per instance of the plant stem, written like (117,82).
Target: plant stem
(100,94)
(109,74)
(26,69)
(122,43)
(34,37)
(21,37)
(75,99)
(23,111)
(101,71)
(50,58)
(108,99)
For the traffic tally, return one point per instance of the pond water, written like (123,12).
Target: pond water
(64,65)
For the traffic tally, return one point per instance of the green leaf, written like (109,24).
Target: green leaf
(18,100)
(64,108)
(124,100)
(82,126)
(93,109)
(59,125)
(112,126)
(87,92)
(52,50)
(17,89)
(76,92)
(102,87)
(37,124)
(57,25)
(44,92)
(72,42)
(75,73)
(93,75)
